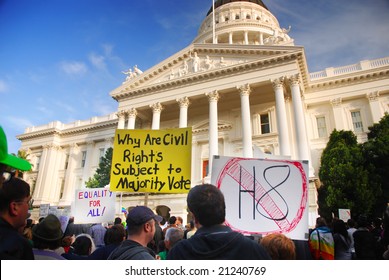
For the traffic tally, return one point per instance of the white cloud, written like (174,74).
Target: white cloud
(66,107)
(336,33)
(45,111)
(98,61)
(73,67)
(3,86)
(18,123)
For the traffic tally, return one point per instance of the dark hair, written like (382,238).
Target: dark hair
(351,223)
(14,189)
(134,229)
(82,245)
(339,226)
(115,234)
(117,221)
(207,204)
(172,220)
(321,222)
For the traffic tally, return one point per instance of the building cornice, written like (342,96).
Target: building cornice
(38,133)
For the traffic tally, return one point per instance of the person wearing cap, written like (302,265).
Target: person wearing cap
(47,237)
(141,228)
(8,161)
(14,204)
(213,239)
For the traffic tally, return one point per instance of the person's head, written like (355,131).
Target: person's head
(115,234)
(118,221)
(8,161)
(83,245)
(172,220)
(351,223)
(279,246)
(321,222)
(173,235)
(179,221)
(48,233)
(206,203)
(141,224)
(363,221)
(15,202)
(339,226)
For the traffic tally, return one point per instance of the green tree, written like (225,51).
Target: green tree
(103,172)
(376,151)
(23,155)
(344,179)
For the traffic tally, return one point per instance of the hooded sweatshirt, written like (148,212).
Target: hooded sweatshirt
(217,242)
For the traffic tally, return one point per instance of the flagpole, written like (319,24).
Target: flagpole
(213,22)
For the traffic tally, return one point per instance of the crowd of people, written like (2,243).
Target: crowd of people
(351,240)
(147,236)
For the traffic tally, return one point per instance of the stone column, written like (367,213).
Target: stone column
(282,122)
(299,121)
(338,113)
(213,126)
(230,38)
(45,175)
(375,107)
(86,174)
(261,38)
(157,109)
(68,192)
(131,118)
(246,121)
(246,37)
(184,104)
(122,119)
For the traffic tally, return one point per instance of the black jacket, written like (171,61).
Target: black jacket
(131,250)
(217,243)
(13,246)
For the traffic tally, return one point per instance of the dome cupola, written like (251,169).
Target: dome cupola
(242,22)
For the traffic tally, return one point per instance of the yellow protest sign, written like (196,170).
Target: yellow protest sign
(157,161)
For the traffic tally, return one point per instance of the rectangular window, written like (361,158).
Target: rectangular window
(321,126)
(265,123)
(357,121)
(66,161)
(83,160)
(62,188)
(37,163)
(101,154)
(205,168)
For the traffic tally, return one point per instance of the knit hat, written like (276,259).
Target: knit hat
(8,159)
(49,229)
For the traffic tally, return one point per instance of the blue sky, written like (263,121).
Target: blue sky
(59,59)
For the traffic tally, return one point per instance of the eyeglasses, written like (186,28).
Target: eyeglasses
(28,201)
(7,176)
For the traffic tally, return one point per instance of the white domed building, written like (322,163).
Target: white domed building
(241,85)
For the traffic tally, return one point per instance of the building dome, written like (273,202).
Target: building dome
(242,22)
(219,3)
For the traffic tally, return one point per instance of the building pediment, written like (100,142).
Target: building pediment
(199,61)
(204,127)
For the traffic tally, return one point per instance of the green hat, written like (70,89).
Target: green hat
(10,160)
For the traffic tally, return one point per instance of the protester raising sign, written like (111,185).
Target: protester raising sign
(157,161)
(264,196)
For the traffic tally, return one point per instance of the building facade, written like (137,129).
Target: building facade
(244,89)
